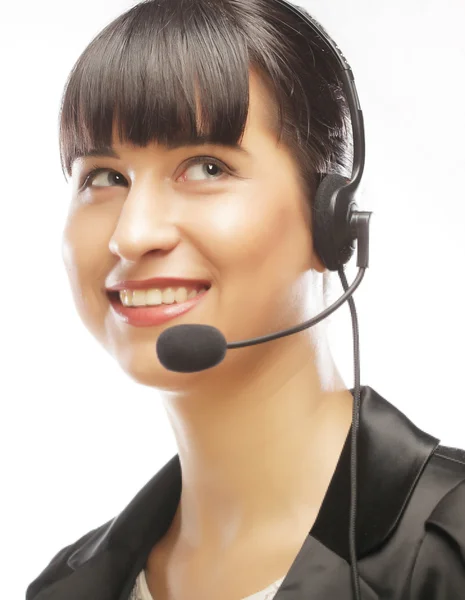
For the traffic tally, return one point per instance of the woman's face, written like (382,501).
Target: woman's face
(151,214)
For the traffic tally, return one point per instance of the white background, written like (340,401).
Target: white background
(78,437)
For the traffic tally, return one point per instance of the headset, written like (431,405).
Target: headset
(337,224)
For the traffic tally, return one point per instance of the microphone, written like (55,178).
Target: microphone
(189,348)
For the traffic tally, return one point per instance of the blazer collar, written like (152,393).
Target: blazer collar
(392,453)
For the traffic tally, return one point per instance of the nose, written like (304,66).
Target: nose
(146,223)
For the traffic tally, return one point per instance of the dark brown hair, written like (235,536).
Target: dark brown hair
(156,65)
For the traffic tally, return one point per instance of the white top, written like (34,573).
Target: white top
(140,591)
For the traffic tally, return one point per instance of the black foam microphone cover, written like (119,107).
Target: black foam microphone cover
(191,348)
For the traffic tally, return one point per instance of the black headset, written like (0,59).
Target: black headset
(335,221)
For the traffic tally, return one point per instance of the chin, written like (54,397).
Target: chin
(145,369)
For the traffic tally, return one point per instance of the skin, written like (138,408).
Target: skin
(260,434)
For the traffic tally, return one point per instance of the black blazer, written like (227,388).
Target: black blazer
(410,525)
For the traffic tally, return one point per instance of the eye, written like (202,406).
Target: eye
(95,172)
(203,165)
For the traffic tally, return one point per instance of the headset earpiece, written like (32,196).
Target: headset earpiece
(333,237)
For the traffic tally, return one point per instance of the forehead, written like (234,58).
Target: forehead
(262,109)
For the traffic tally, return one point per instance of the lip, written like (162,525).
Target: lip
(150,316)
(160,282)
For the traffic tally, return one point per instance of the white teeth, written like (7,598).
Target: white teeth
(180,295)
(168,296)
(156,297)
(138,298)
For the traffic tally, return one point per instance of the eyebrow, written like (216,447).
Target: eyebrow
(110,152)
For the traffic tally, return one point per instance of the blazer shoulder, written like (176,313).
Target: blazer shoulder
(444,470)
(439,569)
(59,567)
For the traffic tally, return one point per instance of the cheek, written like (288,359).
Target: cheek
(85,256)
(261,234)
(259,249)
(75,250)
(72,253)
(85,241)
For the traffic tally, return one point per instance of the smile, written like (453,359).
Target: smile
(152,315)
(156,296)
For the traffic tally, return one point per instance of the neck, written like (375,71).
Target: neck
(259,450)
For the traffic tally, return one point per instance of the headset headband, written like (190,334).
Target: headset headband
(350,91)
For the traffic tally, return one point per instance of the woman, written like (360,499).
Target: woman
(196,134)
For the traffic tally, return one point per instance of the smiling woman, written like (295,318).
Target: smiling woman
(185,88)
(196,134)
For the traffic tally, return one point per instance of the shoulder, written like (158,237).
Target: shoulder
(59,567)
(439,568)
(100,556)
(453,455)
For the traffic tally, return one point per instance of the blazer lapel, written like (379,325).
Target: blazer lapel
(318,573)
